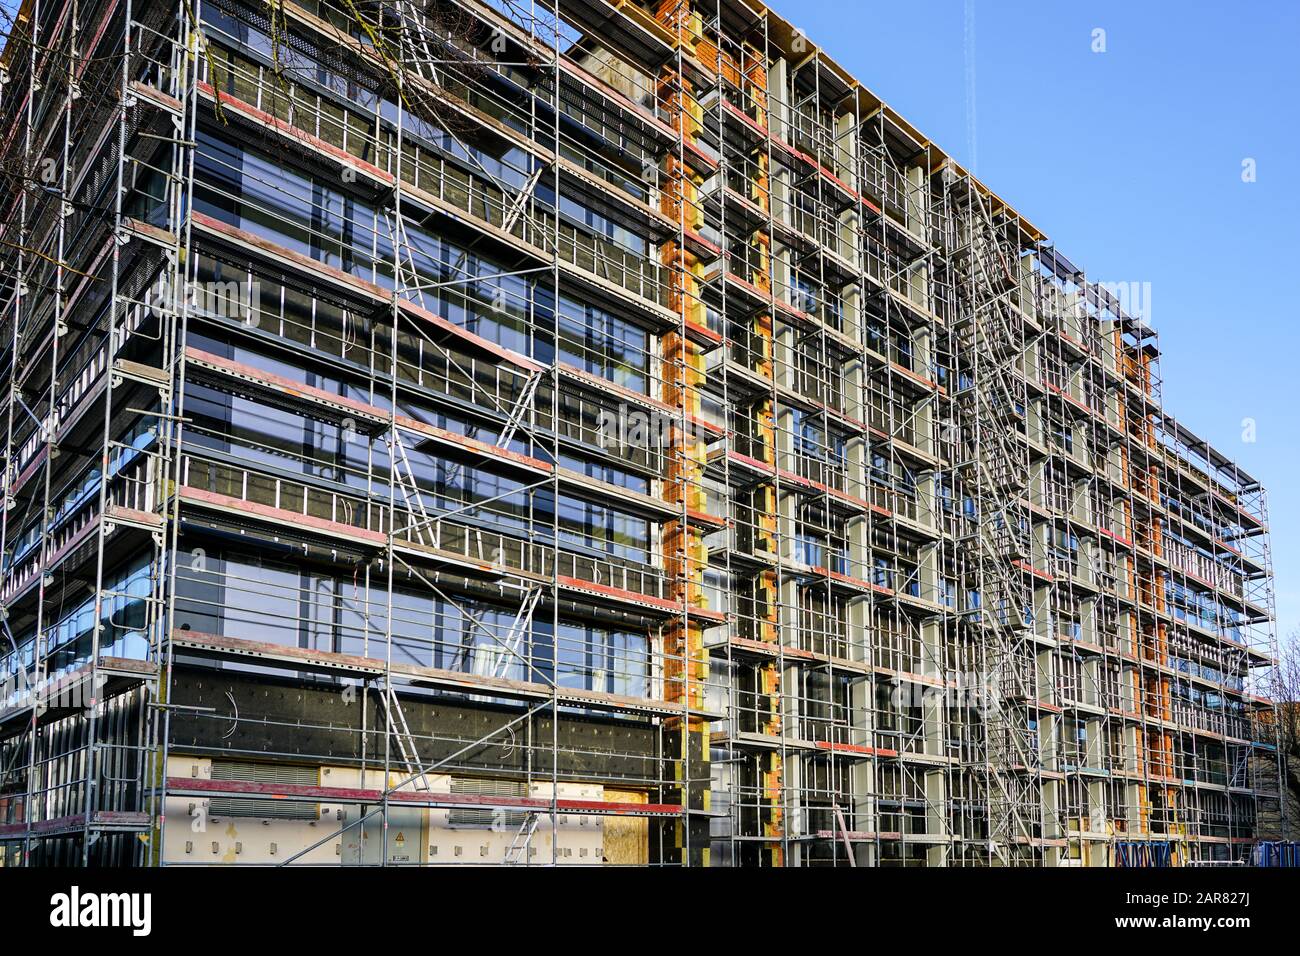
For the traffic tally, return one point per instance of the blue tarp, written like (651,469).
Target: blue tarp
(1276,853)
(1133,853)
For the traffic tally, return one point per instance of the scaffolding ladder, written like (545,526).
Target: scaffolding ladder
(395,719)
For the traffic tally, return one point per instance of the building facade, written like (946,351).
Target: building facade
(500,433)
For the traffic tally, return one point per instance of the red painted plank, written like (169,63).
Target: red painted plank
(298,791)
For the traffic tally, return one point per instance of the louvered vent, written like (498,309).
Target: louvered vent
(263,773)
(487,817)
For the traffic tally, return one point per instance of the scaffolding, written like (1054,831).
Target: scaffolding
(455,432)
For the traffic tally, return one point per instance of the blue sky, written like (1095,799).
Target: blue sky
(1131,161)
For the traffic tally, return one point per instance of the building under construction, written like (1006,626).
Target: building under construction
(531,433)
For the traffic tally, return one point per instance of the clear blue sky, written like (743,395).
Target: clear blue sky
(1131,161)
